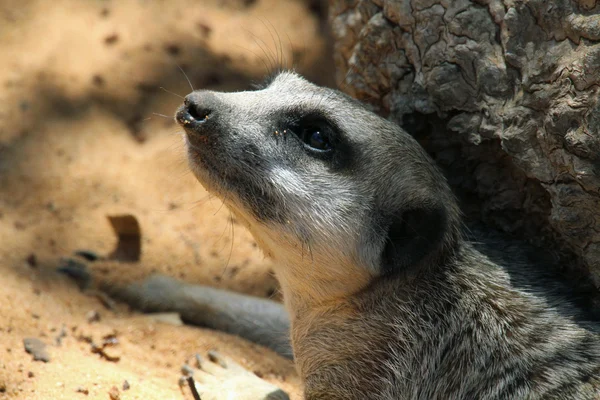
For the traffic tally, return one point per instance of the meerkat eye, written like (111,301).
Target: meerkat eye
(315,139)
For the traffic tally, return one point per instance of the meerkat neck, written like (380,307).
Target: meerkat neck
(315,285)
(311,277)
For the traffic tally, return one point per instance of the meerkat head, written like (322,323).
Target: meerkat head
(318,178)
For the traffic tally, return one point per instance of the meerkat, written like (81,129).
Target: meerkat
(385,296)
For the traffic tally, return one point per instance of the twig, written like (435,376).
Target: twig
(190,381)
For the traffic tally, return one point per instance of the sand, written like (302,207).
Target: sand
(81,139)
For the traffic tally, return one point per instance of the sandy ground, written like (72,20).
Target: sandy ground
(79,83)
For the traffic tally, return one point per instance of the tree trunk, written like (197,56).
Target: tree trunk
(503,94)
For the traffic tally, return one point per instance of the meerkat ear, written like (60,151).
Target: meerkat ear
(412,235)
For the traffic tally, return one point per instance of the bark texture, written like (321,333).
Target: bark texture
(503,94)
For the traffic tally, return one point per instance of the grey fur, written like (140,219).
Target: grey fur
(387,298)
(262,321)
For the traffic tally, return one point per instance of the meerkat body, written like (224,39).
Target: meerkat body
(386,298)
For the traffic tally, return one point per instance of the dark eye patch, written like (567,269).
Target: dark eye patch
(317,134)
(320,137)
(316,137)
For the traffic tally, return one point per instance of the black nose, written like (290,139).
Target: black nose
(195,111)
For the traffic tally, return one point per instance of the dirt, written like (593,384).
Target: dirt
(82,139)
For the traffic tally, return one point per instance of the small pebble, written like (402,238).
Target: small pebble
(114,394)
(37,349)
(61,335)
(92,316)
(32,260)
(186,370)
(111,39)
(82,390)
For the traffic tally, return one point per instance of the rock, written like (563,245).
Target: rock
(504,95)
(114,394)
(37,349)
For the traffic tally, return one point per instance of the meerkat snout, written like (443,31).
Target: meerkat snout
(195,110)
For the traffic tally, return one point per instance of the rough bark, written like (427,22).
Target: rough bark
(503,94)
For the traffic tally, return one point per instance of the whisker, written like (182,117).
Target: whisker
(222,204)
(262,60)
(231,248)
(283,63)
(161,115)
(186,77)
(224,229)
(195,204)
(291,47)
(272,60)
(173,93)
(276,53)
